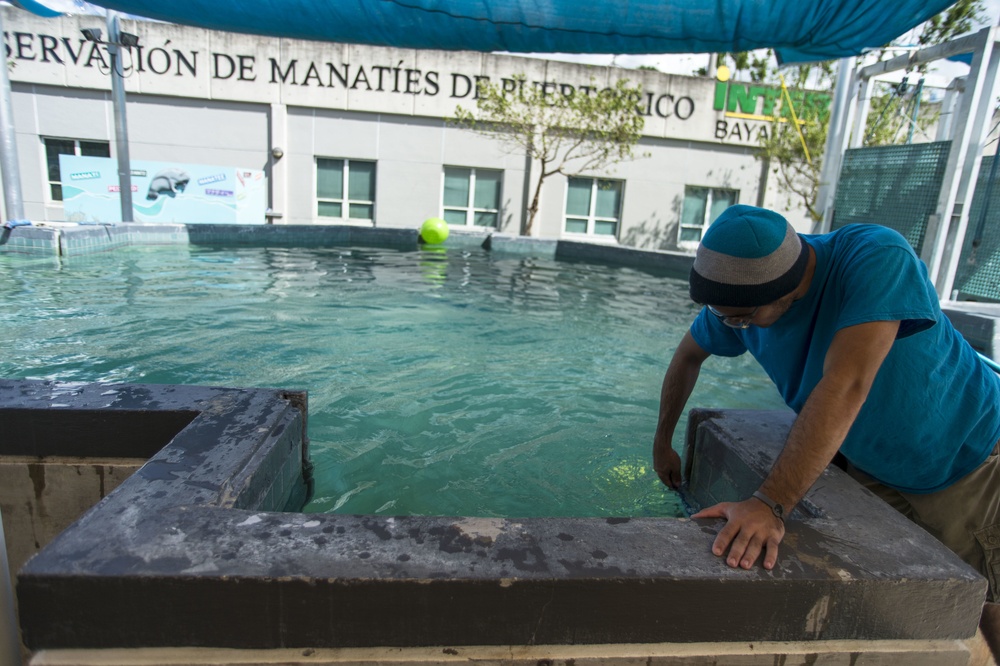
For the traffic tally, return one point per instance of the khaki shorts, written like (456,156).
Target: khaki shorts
(965,516)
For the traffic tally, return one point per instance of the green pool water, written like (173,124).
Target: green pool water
(441,382)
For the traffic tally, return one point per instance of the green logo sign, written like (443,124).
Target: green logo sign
(757,102)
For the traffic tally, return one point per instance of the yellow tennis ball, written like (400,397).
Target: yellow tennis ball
(434,230)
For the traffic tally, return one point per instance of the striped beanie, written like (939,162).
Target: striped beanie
(748,257)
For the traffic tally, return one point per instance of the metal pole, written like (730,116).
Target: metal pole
(949,107)
(14,203)
(10,643)
(916,109)
(836,141)
(977,239)
(954,241)
(861,109)
(121,127)
(965,44)
(945,233)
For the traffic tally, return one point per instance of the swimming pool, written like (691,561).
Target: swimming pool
(441,382)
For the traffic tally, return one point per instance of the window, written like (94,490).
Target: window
(701,206)
(593,206)
(471,196)
(56,147)
(345,189)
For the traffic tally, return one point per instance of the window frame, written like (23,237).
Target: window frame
(345,201)
(707,219)
(470,208)
(50,197)
(592,218)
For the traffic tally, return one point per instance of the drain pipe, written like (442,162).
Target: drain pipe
(14,203)
(841,113)
(10,644)
(114,45)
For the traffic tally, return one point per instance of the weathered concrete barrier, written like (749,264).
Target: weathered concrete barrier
(194,551)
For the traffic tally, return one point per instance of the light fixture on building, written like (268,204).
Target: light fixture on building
(126,39)
(277,153)
(92,34)
(116,40)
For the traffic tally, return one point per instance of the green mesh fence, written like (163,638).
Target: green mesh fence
(978,274)
(895,186)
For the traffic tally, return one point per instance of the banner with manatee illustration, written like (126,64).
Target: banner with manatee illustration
(162,192)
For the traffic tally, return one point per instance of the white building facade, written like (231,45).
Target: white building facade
(354,134)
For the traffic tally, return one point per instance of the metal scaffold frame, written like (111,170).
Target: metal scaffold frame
(967,129)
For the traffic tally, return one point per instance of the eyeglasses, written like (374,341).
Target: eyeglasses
(737,321)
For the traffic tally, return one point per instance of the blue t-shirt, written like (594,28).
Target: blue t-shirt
(933,413)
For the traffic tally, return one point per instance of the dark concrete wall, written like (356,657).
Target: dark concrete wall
(190,551)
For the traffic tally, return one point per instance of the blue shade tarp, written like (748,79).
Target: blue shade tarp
(799,30)
(36,8)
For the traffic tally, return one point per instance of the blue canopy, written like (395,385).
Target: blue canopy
(37,8)
(799,30)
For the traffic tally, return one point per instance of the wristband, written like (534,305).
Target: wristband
(776,508)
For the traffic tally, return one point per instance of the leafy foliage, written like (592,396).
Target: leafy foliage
(568,131)
(786,144)
(889,120)
(956,20)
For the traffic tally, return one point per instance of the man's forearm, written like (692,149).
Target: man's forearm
(812,443)
(849,369)
(678,383)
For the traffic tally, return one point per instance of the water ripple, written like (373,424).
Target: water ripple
(440,382)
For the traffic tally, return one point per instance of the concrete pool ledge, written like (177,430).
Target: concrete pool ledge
(65,239)
(191,550)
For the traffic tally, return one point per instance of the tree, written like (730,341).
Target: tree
(956,20)
(567,131)
(794,145)
(795,156)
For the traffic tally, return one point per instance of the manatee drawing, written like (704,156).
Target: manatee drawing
(168,182)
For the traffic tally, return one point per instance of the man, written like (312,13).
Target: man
(849,328)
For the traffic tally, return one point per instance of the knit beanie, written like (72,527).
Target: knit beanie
(748,257)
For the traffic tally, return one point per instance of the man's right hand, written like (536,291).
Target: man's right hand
(667,464)
(678,382)
(751,529)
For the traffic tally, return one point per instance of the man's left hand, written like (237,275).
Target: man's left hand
(751,528)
